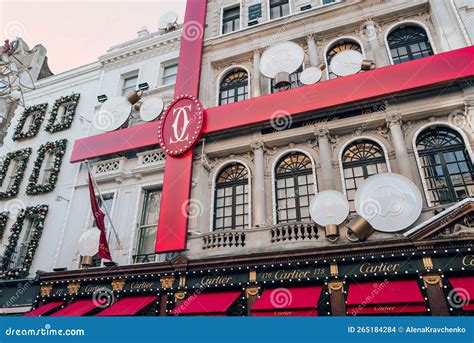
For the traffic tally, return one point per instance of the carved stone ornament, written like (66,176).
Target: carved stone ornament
(73,287)
(46,290)
(335,286)
(251,291)
(118,285)
(167,281)
(433,280)
(179,296)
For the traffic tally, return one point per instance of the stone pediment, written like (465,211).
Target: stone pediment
(455,221)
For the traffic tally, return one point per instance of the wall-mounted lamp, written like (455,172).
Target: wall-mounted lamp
(102,98)
(144,86)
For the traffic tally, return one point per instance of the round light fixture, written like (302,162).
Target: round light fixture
(346,62)
(389,202)
(311,75)
(329,209)
(151,108)
(89,242)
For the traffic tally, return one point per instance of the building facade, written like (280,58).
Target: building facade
(252,248)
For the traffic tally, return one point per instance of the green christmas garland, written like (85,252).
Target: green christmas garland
(58,148)
(19,132)
(3,223)
(39,211)
(70,100)
(22,156)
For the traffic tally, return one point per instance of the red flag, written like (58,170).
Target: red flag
(104,251)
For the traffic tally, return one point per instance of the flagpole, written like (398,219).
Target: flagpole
(103,202)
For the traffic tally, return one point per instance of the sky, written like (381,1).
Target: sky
(77,32)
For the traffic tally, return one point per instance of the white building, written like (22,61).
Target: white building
(150,58)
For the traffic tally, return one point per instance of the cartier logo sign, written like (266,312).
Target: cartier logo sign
(95,288)
(379,267)
(141,285)
(180,125)
(468,261)
(216,280)
(292,274)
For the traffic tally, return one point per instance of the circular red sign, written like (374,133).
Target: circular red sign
(181,125)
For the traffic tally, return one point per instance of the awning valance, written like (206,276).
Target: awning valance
(207,304)
(401,296)
(77,308)
(464,288)
(44,309)
(127,306)
(297,301)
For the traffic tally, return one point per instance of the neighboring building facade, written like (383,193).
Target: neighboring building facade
(250,237)
(61,188)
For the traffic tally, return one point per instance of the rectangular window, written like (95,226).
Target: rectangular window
(11,174)
(48,168)
(231,19)
(279,8)
(169,74)
(21,250)
(129,84)
(148,226)
(327,2)
(62,112)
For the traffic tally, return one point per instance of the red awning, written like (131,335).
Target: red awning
(77,308)
(298,301)
(206,304)
(44,309)
(127,306)
(464,288)
(385,297)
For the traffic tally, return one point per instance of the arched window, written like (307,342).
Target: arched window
(231,200)
(234,87)
(294,186)
(408,42)
(446,165)
(360,160)
(342,45)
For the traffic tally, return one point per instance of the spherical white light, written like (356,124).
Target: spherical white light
(389,202)
(329,207)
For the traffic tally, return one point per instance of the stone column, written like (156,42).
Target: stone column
(325,157)
(256,86)
(450,32)
(312,51)
(379,55)
(259,184)
(399,145)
